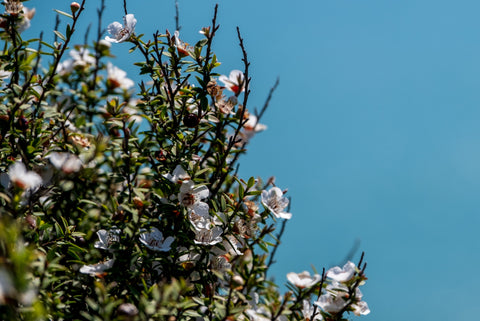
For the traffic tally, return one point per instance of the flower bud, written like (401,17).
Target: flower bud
(74,6)
(190,120)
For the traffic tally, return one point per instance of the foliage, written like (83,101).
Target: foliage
(119,204)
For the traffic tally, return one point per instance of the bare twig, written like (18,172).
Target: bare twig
(177,15)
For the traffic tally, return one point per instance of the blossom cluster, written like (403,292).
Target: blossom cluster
(123,201)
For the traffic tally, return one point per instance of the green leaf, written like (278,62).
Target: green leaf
(63,13)
(59,35)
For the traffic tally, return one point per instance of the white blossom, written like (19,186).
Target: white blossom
(210,236)
(97,269)
(122,33)
(118,78)
(107,238)
(66,162)
(178,175)
(191,194)
(18,176)
(303,279)
(275,202)
(155,241)
(234,82)
(344,274)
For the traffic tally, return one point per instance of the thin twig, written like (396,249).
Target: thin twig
(125,6)
(319,294)
(177,15)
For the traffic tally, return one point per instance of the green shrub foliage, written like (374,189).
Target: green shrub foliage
(121,201)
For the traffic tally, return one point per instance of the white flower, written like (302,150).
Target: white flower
(18,176)
(234,82)
(361,308)
(66,162)
(199,216)
(80,58)
(342,274)
(97,269)
(155,241)
(210,236)
(337,297)
(27,16)
(189,195)
(307,312)
(250,128)
(107,238)
(260,313)
(275,202)
(231,245)
(118,78)
(332,302)
(122,33)
(178,175)
(303,280)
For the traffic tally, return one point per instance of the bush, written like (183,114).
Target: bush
(123,204)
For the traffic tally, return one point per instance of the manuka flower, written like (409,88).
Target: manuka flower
(155,241)
(210,236)
(234,82)
(122,33)
(190,195)
(344,274)
(178,175)
(66,162)
(338,297)
(117,78)
(275,202)
(303,280)
(181,46)
(81,58)
(107,238)
(18,176)
(97,269)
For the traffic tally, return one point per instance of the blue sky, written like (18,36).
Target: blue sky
(374,130)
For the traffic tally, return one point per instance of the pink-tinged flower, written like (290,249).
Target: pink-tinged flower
(182,47)
(344,274)
(155,241)
(303,280)
(97,269)
(178,175)
(275,202)
(66,162)
(190,195)
(117,78)
(234,82)
(27,16)
(18,176)
(107,238)
(250,128)
(122,33)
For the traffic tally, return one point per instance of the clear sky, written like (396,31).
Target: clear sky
(374,129)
